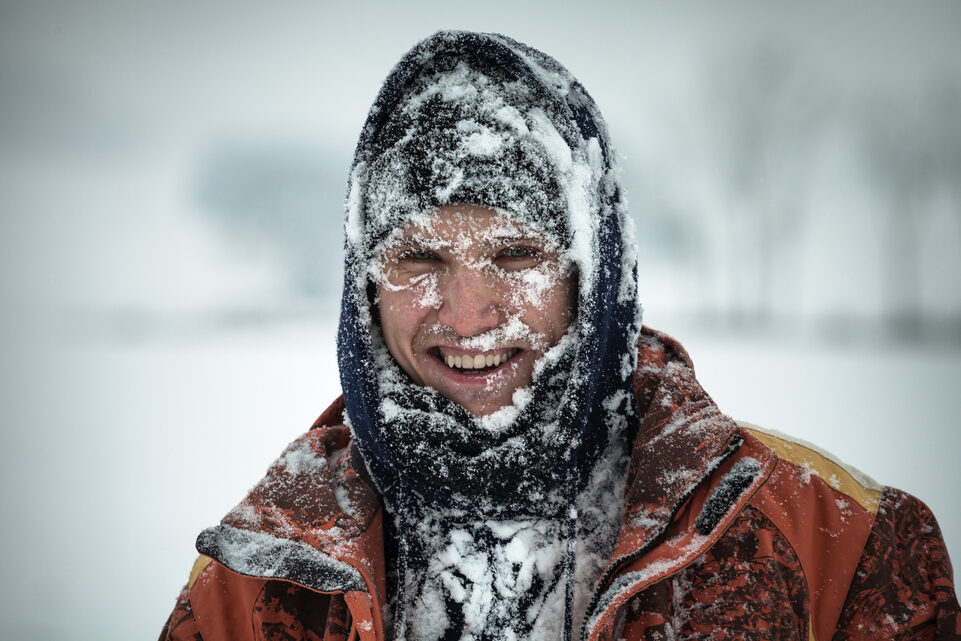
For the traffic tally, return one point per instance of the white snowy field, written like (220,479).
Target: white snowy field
(118,453)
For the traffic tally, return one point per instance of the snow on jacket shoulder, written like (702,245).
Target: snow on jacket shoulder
(729,533)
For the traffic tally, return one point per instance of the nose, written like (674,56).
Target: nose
(469,303)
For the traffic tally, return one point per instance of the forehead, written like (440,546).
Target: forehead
(465,225)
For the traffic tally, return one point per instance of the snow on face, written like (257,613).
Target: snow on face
(470,300)
(461,134)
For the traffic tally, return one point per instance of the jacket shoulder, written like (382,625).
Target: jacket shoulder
(812,460)
(825,510)
(873,556)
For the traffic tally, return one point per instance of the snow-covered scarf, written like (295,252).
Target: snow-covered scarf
(481,118)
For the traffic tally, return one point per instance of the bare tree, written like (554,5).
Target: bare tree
(913,152)
(769,114)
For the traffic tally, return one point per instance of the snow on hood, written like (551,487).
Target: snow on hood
(484,119)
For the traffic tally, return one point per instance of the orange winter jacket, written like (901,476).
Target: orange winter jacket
(728,533)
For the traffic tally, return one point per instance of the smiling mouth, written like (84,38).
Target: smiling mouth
(476,364)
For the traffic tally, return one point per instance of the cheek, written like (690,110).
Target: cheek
(424,292)
(543,293)
(398,318)
(558,306)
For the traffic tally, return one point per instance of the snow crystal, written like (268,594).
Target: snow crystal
(499,420)
(337,462)
(834,481)
(544,131)
(246,514)
(628,364)
(354,225)
(514,329)
(483,143)
(510,116)
(617,407)
(301,458)
(844,507)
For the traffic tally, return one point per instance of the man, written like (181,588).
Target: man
(514,456)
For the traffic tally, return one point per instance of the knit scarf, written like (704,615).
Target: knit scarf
(481,118)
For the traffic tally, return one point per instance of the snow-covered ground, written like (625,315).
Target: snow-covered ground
(120,452)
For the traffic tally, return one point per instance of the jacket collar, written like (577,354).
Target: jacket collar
(314,519)
(682,438)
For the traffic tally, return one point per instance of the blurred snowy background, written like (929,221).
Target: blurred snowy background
(171,178)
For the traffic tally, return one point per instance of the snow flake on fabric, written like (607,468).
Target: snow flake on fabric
(310,494)
(491,577)
(264,555)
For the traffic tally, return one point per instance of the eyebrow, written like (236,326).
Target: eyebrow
(433,242)
(518,237)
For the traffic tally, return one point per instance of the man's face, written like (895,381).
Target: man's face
(469,300)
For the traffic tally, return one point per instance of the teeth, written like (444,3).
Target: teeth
(480,361)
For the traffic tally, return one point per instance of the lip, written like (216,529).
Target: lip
(433,359)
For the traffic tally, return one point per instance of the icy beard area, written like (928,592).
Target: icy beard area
(507,579)
(499,421)
(395,385)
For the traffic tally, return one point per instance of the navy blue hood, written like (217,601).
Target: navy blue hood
(549,164)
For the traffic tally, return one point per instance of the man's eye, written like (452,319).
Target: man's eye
(518,251)
(417,255)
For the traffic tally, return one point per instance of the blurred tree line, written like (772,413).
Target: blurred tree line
(769,126)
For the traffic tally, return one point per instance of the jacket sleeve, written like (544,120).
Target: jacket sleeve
(181,624)
(218,604)
(904,586)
